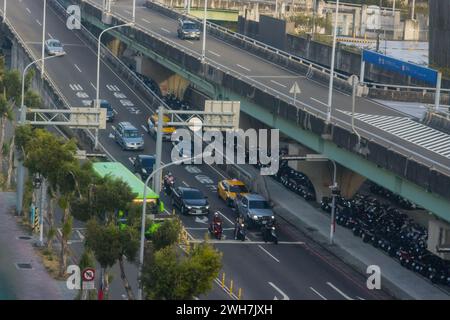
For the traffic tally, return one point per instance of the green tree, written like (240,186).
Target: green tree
(167,234)
(110,244)
(168,274)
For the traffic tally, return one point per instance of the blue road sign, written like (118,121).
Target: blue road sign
(399,66)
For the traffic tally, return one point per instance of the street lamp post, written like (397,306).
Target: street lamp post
(43,39)
(204,32)
(97,88)
(20,168)
(144,207)
(333,53)
(4,10)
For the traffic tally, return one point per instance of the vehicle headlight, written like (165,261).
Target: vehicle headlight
(144,171)
(189,207)
(207,207)
(255,217)
(273,217)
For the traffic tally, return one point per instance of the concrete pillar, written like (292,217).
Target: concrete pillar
(439,237)
(321,174)
(166,79)
(116,47)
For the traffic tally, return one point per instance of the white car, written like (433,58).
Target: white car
(54,47)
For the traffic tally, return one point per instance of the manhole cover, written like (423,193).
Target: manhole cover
(24,238)
(24,266)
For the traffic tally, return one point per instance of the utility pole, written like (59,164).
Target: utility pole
(413,9)
(333,53)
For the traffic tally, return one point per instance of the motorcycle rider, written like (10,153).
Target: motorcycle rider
(216,224)
(267,232)
(169,180)
(237,226)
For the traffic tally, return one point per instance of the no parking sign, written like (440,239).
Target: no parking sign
(88,276)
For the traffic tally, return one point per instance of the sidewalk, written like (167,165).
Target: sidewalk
(23,284)
(397,280)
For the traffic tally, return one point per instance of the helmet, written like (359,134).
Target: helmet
(216,214)
(169,173)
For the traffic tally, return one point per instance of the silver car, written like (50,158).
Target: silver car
(128,137)
(54,47)
(254,209)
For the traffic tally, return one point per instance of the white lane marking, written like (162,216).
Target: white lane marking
(317,292)
(78,68)
(37,21)
(239,242)
(318,101)
(164,29)
(28,10)
(51,37)
(114,110)
(184,182)
(269,253)
(145,128)
(189,41)
(131,159)
(145,20)
(285,297)
(128,11)
(214,53)
(277,83)
(339,291)
(360,298)
(225,217)
(93,85)
(247,69)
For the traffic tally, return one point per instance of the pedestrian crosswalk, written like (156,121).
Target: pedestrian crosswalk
(409,130)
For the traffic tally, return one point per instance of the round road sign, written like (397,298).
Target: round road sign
(88,274)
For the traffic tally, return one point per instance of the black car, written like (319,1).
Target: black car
(106,105)
(188,30)
(143,165)
(190,201)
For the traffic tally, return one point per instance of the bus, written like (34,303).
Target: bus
(118,171)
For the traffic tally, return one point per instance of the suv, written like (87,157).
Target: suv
(188,30)
(254,209)
(106,105)
(128,137)
(190,201)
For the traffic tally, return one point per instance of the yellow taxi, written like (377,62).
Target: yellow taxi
(228,189)
(152,123)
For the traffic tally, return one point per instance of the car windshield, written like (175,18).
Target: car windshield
(131,134)
(189,26)
(259,204)
(147,162)
(192,194)
(54,43)
(238,189)
(106,105)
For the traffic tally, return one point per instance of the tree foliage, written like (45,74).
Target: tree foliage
(170,275)
(167,234)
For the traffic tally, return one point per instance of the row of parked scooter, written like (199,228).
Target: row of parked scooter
(392,231)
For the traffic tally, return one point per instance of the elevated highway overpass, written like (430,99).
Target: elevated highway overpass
(260,77)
